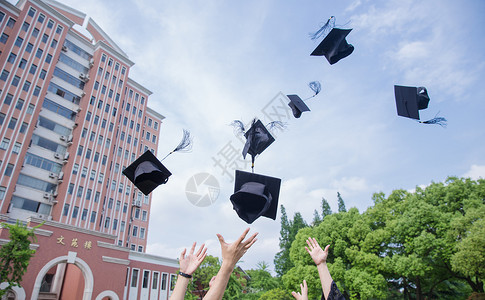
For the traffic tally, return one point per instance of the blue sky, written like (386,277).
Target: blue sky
(211,62)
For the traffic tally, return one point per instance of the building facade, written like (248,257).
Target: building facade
(71,119)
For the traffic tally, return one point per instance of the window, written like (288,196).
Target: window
(75,169)
(146,277)
(137,213)
(144,215)
(96,157)
(135,231)
(88,154)
(48,58)
(75,211)
(36,91)
(42,74)
(23,128)
(142,233)
(29,47)
(11,58)
(65,212)
(15,81)
(33,68)
(45,37)
(93,217)
(88,194)
(155,126)
(118,205)
(19,41)
(125,208)
(25,26)
(59,29)
(12,123)
(134,278)
(80,191)
(110,203)
(8,170)
(115,224)
(39,52)
(22,63)
(50,24)
(4,75)
(16,147)
(122,226)
(164,282)
(71,188)
(84,215)
(154,138)
(92,175)
(2,192)
(41,18)
(35,32)
(5,143)
(30,109)
(10,23)
(88,116)
(106,222)
(100,178)
(96,120)
(31,12)
(80,150)
(53,43)
(26,86)
(96,197)
(20,104)
(4,38)
(2,118)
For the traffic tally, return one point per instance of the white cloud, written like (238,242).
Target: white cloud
(476,172)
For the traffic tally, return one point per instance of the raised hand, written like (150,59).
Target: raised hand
(190,263)
(304,292)
(231,253)
(318,255)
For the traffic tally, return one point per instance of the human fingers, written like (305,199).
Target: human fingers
(316,243)
(296,295)
(250,241)
(304,288)
(243,235)
(200,250)
(326,248)
(182,255)
(221,239)
(203,254)
(310,244)
(192,249)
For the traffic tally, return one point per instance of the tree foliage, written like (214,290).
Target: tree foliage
(413,245)
(15,255)
(341,203)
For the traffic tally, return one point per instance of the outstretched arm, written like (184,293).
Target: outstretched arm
(231,253)
(304,292)
(188,265)
(319,257)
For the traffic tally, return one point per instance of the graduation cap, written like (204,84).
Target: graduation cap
(410,100)
(147,172)
(258,137)
(334,46)
(298,105)
(255,195)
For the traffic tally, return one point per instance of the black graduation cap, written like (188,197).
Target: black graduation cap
(147,172)
(334,46)
(410,100)
(298,105)
(258,139)
(255,195)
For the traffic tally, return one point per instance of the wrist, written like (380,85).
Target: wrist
(185,275)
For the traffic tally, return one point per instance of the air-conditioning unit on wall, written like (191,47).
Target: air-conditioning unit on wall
(64,48)
(57,155)
(63,138)
(52,175)
(47,195)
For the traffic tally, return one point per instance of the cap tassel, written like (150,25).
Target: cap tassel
(238,127)
(185,144)
(436,120)
(324,29)
(316,88)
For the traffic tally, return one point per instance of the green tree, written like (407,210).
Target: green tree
(276,294)
(316,218)
(326,211)
(260,282)
(341,203)
(15,255)
(288,231)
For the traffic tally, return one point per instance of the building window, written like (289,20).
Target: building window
(11,58)
(22,63)
(65,212)
(135,231)
(142,233)
(84,215)
(31,12)
(80,191)
(33,68)
(96,197)
(8,170)
(16,148)
(45,37)
(93,217)
(10,23)
(110,203)
(2,118)
(115,224)
(30,109)
(146,276)
(122,226)
(75,211)
(106,222)
(5,143)
(71,188)
(12,123)
(4,75)
(88,194)
(134,278)
(48,58)
(137,213)
(42,74)
(26,86)
(35,32)
(23,127)
(2,192)
(41,18)
(15,81)
(50,24)
(4,38)
(144,215)
(20,104)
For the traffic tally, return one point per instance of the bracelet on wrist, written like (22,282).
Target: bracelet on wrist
(185,275)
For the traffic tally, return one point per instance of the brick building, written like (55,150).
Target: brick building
(71,119)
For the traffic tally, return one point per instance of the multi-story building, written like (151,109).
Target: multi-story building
(71,119)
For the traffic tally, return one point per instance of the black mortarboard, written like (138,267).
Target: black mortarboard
(147,172)
(334,46)
(297,105)
(409,100)
(255,195)
(258,139)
